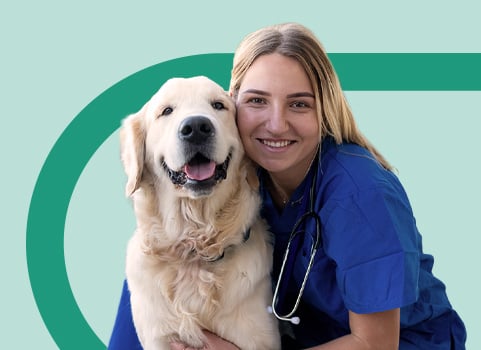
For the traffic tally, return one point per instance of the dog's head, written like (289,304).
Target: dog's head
(184,135)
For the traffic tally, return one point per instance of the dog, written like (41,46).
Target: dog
(201,256)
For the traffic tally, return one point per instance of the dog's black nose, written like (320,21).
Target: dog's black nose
(196,130)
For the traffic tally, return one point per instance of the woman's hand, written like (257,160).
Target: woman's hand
(213,342)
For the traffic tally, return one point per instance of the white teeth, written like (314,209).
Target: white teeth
(276,144)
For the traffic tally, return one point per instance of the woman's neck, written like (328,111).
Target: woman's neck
(283,184)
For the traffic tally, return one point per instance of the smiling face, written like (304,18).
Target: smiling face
(185,135)
(276,117)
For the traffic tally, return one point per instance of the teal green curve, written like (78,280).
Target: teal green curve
(99,119)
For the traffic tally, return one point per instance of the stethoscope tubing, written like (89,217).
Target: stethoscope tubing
(317,242)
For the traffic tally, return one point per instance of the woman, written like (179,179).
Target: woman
(368,285)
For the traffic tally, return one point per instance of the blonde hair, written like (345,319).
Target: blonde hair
(296,41)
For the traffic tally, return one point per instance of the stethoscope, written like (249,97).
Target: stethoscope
(316,243)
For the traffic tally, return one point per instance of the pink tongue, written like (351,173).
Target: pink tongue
(200,172)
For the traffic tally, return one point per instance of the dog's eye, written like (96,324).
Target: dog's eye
(218,105)
(167,111)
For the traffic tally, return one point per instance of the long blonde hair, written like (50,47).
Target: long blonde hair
(296,41)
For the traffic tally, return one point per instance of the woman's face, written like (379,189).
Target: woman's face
(276,116)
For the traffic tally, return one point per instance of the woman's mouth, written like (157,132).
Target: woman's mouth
(276,143)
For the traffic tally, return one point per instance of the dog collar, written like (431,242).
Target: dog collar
(247,235)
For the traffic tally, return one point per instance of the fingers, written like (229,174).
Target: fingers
(213,342)
(182,346)
(178,346)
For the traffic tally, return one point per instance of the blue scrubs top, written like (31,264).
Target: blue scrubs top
(370,258)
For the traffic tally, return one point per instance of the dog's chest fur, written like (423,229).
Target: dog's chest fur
(196,277)
(188,257)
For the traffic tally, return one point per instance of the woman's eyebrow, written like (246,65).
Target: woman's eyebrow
(265,93)
(257,92)
(301,94)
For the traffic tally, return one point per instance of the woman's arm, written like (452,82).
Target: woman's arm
(124,336)
(379,330)
(213,342)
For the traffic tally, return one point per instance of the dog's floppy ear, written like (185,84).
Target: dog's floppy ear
(132,149)
(251,173)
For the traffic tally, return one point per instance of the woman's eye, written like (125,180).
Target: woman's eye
(167,111)
(218,105)
(256,100)
(299,104)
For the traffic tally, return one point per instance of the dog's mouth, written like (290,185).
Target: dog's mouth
(199,172)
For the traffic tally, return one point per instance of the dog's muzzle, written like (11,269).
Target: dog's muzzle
(200,173)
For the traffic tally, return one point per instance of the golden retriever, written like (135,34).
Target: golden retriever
(200,257)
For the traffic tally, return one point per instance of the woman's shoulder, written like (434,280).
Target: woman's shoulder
(349,156)
(348,167)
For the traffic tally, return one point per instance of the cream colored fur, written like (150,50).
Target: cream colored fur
(177,286)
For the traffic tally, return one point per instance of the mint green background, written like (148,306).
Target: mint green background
(57,57)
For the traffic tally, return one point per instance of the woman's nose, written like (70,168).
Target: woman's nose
(277,121)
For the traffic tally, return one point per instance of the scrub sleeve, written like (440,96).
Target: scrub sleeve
(124,336)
